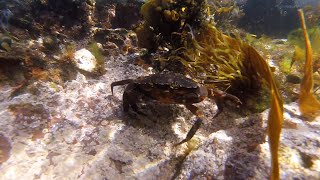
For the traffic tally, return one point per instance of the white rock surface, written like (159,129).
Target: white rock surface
(85,60)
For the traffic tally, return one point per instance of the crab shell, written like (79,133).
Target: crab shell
(170,88)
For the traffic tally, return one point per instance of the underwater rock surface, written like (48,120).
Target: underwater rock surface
(80,132)
(85,60)
(65,124)
(242,152)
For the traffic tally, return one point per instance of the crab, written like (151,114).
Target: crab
(171,88)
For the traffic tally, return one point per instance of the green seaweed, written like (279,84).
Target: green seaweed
(96,51)
(296,38)
(285,65)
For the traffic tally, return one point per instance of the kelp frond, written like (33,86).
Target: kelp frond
(275,118)
(308,104)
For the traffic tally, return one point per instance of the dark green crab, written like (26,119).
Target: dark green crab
(171,88)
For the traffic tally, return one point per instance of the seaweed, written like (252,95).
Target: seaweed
(210,57)
(296,38)
(96,51)
(309,106)
(275,118)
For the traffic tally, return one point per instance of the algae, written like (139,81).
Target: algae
(96,51)
(296,38)
(199,49)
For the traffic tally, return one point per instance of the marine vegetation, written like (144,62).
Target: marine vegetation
(296,38)
(226,14)
(95,50)
(189,42)
(308,104)
(306,58)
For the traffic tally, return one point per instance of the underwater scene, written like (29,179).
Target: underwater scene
(160,89)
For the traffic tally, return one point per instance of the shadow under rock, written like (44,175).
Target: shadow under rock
(243,161)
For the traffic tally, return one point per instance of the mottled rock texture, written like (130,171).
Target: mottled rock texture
(57,122)
(80,132)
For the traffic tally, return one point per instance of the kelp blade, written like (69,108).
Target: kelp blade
(309,106)
(275,118)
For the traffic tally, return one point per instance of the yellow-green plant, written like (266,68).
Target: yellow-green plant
(96,51)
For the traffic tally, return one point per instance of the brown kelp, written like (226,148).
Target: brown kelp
(275,118)
(194,45)
(308,104)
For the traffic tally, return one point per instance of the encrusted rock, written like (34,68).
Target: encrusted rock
(85,60)
(242,152)
(84,134)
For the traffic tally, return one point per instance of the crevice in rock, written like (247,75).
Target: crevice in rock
(306,160)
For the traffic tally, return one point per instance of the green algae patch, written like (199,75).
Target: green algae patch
(96,52)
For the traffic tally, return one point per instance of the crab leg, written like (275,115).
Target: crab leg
(118,83)
(195,110)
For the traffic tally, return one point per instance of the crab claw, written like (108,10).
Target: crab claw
(233,98)
(219,97)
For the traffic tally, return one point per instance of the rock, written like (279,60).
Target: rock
(242,152)
(127,14)
(78,130)
(116,41)
(85,60)
(5,148)
(209,160)
(50,43)
(294,79)
(230,154)
(81,132)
